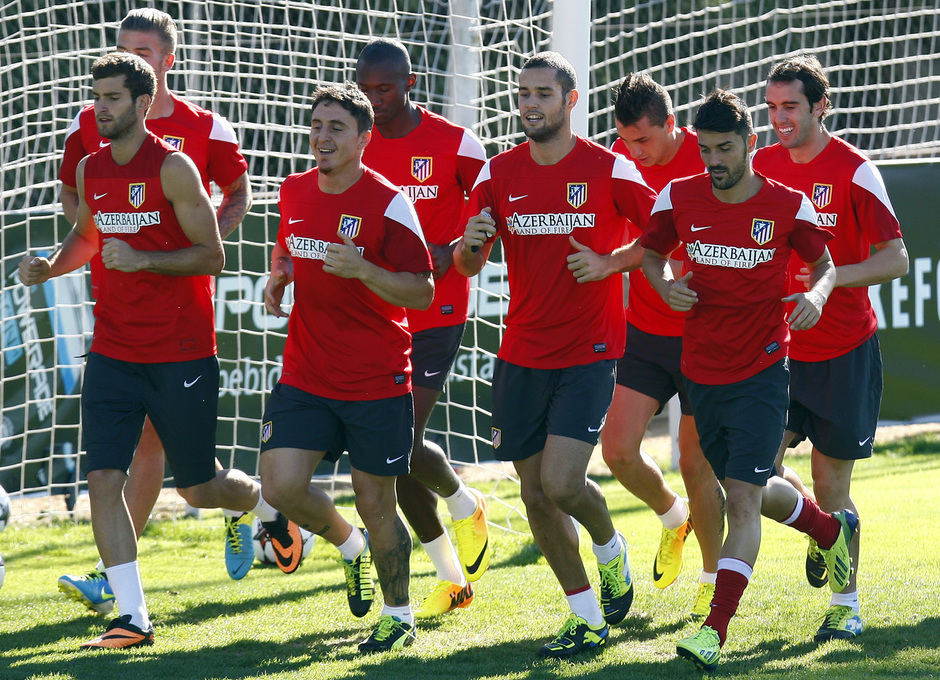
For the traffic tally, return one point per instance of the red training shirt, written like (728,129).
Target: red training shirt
(554,321)
(435,165)
(851,201)
(738,255)
(144,317)
(343,340)
(645,308)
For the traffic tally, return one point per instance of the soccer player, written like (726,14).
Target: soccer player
(739,231)
(648,375)
(435,163)
(835,368)
(353,247)
(560,204)
(209,140)
(144,213)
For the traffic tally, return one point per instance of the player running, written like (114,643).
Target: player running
(739,231)
(648,375)
(835,368)
(560,204)
(352,245)
(210,141)
(435,163)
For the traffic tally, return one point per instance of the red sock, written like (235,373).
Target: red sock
(729,588)
(820,526)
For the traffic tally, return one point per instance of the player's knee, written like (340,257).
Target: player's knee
(562,491)
(694,468)
(199,496)
(621,455)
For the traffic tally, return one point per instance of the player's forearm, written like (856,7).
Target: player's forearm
(235,204)
(467,261)
(197,260)
(627,258)
(822,277)
(76,250)
(404,289)
(888,262)
(657,271)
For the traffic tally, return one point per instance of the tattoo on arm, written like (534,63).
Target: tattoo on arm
(234,206)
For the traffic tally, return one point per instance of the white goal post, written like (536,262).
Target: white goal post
(256,63)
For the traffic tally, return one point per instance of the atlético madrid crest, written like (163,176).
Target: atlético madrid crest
(349,225)
(175,142)
(577,194)
(497,436)
(420,168)
(822,195)
(762,231)
(136,194)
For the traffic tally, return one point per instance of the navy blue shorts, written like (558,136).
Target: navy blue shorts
(181,398)
(740,425)
(432,355)
(378,433)
(531,403)
(835,403)
(651,366)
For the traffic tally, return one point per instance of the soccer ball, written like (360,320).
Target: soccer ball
(4,508)
(264,550)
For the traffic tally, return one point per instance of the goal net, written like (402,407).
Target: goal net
(257,62)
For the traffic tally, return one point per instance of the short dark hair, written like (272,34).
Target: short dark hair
(807,69)
(351,98)
(139,78)
(640,96)
(564,71)
(723,111)
(150,20)
(385,50)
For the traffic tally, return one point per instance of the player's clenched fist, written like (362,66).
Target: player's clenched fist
(479,229)
(34,270)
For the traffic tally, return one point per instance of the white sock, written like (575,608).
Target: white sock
(128,589)
(675,516)
(403,614)
(100,566)
(708,577)
(461,504)
(845,600)
(584,604)
(263,510)
(609,551)
(796,511)
(353,546)
(445,560)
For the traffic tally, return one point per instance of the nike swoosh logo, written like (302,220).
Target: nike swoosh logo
(864,441)
(98,197)
(472,569)
(428,374)
(294,221)
(190,383)
(694,228)
(389,461)
(102,144)
(656,574)
(282,559)
(760,472)
(513,199)
(594,429)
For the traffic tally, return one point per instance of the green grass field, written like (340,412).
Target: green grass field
(272,625)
